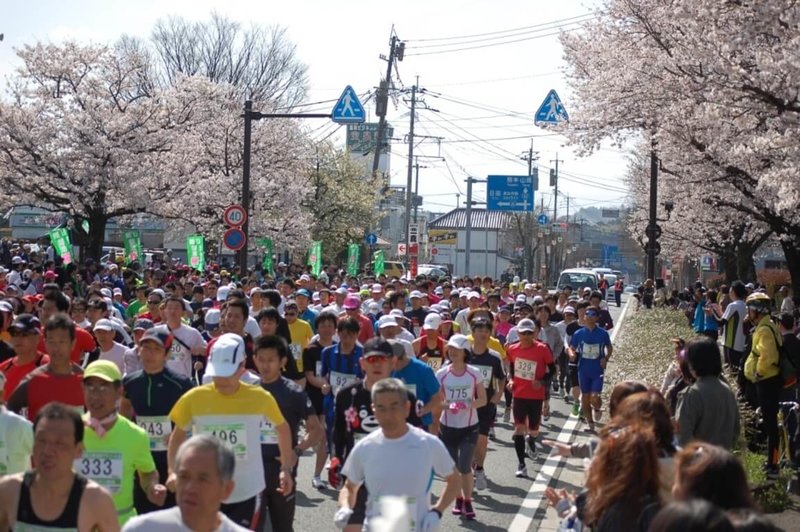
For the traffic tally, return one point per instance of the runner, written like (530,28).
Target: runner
(232,411)
(340,367)
(271,355)
(462,393)
(732,322)
(104,332)
(25,336)
(187,342)
(62,498)
(388,329)
(417,313)
(421,380)
(430,347)
(490,366)
(85,348)
(591,348)
(115,448)
(149,395)
(205,470)
(530,361)
(59,380)
(352,307)
(16,439)
(380,462)
(300,332)
(312,362)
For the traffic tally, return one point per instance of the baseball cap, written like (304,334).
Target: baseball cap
(377,288)
(49,275)
(473,295)
(106,292)
(538,300)
(459,341)
(143,325)
(521,299)
(117,291)
(255,290)
(351,303)
(5,306)
(432,322)
(397,313)
(374,307)
(104,370)
(158,335)
(222,292)
(17,260)
(477,323)
(208,303)
(212,317)
(342,290)
(302,292)
(290,303)
(504,308)
(305,277)
(526,325)
(387,321)
(226,355)
(25,323)
(416,294)
(378,347)
(568,310)
(160,292)
(104,325)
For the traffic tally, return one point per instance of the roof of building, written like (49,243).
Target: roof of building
(482,219)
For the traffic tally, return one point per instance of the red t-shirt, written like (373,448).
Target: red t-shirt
(84,343)
(365,331)
(530,365)
(41,387)
(14,373)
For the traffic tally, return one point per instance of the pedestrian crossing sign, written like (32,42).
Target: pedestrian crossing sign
(348,109)
(551,112)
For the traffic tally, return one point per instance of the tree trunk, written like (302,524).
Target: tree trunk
(792,253)
(97,234)
(745,265)
(729,265)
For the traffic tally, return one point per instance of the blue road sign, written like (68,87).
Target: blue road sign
(234,239)
(552,111)
(348,110)
(542,219)
(509,193)
(371,239)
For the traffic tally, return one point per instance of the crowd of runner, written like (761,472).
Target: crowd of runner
(171,399)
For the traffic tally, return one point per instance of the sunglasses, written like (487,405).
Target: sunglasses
(290,314)
(375,358)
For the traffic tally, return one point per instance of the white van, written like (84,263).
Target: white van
(577,278)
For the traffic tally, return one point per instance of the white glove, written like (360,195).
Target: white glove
(431,522)
(341,517)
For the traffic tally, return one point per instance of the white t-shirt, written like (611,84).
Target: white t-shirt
(116,355)
(171,521)
(382,465)
(733,309)
(459,388)
(407,336)
(251,327)
(16,442)
(179,358)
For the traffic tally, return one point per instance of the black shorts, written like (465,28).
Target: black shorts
(572,370)
(527,409)
(315,396)
(360,508)
(486,416)
(243,513)
(460,443)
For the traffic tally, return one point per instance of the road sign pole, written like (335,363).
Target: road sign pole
(410,162)
(467,243)
(248,126)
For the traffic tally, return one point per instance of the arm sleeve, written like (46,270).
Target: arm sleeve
(443,464)
(686,415)
(353,468)
(309,364)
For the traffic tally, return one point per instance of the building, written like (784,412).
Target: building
(447,240)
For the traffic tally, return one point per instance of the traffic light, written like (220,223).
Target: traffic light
(552,177)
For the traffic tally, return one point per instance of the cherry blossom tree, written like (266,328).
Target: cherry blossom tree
(714,84)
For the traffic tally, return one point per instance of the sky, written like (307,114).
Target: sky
(480,99)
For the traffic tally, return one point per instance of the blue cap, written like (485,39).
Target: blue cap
(303,292)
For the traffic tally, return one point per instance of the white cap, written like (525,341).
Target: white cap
(222,292)
(568,310)
(17,260)
(374,307)
(253,291)
(416,294)
(341,291)
(529,286)
(5,306)
(212,316)
(397,313)
(104,325)
(106,292)
(117,291)
(387,321)
(459,341)
(159,292)
(432,322)
(377,288)
(227,354)
(473,295)
(445,304)
(522,299)
(526,325)
(305,277)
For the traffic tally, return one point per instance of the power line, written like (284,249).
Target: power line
(433,39)
(489,45)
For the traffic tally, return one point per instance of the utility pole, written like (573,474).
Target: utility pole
(416,186)
(468,239)
(396,50)
(248,128)
(530,157)
(554,184)
(410,165)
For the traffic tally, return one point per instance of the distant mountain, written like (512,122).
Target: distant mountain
(594,215)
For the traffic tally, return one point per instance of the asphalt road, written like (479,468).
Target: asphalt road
(495,507)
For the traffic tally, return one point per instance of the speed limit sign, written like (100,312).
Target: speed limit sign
(234,216)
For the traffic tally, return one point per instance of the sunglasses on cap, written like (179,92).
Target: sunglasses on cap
(371,359)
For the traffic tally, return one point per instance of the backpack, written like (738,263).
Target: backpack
(788,371)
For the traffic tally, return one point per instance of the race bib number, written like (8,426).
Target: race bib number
(158,429)
(411,505)
(268,434)
(435,363)
(233,433)
(340,380)
(103,468)
(486,374)
(459,393)
(590,351)
(417,331)
(318,368)
(3,458)
(297,355)
(525,369)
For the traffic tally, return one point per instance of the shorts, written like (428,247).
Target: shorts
(360,508)
(486,416)
(573,376)
(244,513)
(315,396)
(527,409)
(590,384)
(460,443)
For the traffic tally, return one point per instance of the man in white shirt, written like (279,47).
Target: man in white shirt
(104,332)
(188,340)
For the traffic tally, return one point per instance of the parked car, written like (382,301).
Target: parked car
(577,278)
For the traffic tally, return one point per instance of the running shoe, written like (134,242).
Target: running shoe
(318,484)
(576,409)
(507,415)
(522,471)
(458,508)
(480,480)
(469,512)
(567,396)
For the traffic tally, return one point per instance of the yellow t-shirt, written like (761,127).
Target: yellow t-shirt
(493,344)
(236,419)
(112,462)
(301,336)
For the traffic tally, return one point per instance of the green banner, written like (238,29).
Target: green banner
(267,265)
(315,257)
(378,266)
(133,245)
(353,252)
(60,240)
(196,252)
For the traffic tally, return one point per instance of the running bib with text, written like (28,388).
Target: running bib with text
(233,433)
(525,369)
(297,355)
(158,429)
(591,351)
(435,363)
(459,393)
(103,468)
(268,434)
(340,380)
(486,373)
(319,368)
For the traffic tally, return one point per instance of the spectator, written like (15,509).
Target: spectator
(707,410)
(709,472)
(694,515)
